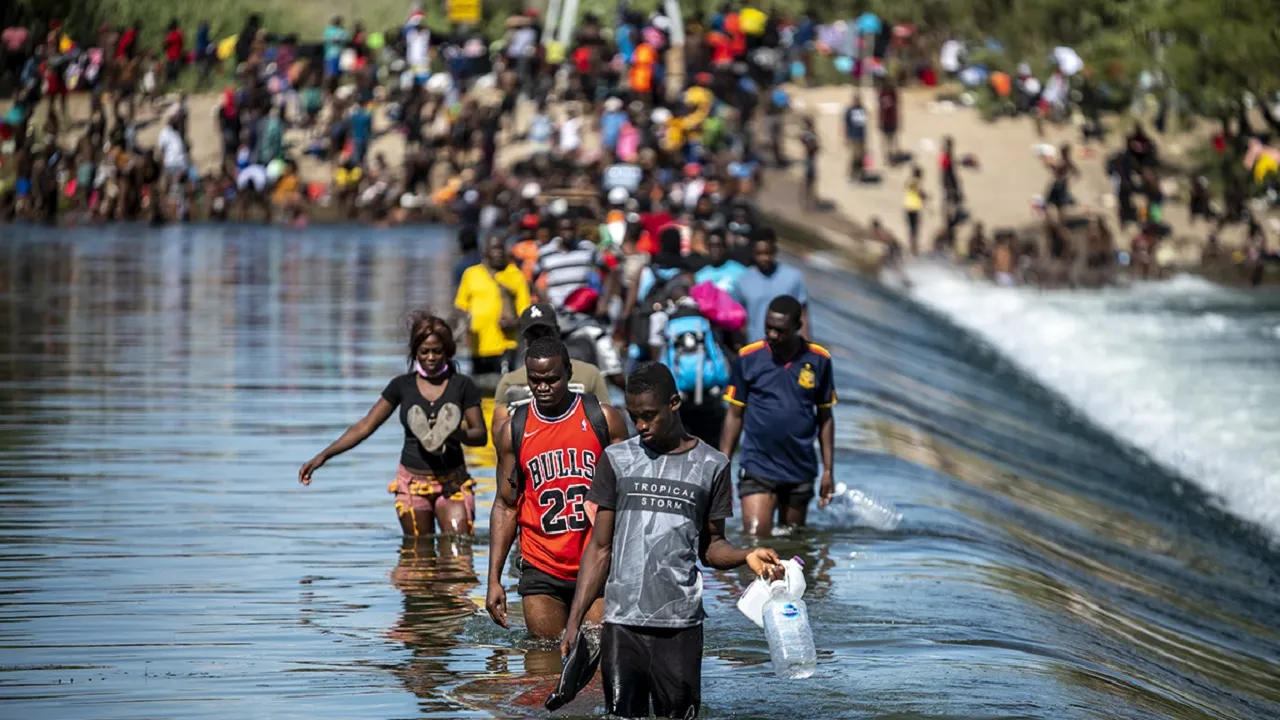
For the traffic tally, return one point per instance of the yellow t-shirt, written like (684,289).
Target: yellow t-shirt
(912,200)
(555,53)
(479,296)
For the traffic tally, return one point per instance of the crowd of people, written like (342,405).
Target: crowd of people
(609,238)
(641,264)
(612,526)
(297,122)
(490,127)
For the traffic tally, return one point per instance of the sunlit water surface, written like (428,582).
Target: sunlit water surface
(160,388)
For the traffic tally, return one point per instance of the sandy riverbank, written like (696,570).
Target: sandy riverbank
(998,193)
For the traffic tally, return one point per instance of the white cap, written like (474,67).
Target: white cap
(618,195)
(558,207)
(660,116)
(531,191)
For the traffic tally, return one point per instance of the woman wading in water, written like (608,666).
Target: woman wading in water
(440,411)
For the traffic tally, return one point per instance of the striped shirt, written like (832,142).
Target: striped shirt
(561,271)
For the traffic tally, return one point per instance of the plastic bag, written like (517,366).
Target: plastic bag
(718,306)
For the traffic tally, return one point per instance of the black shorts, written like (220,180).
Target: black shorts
(792,495)
(640,664)
(535,582)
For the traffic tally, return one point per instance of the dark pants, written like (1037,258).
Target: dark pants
(641,664)
(857,159)
(487,365)
(913,229)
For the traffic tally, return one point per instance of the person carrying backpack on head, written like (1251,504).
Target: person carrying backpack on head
(652,288)
(684,340)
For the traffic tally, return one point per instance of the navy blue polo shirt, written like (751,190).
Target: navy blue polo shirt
(781,401)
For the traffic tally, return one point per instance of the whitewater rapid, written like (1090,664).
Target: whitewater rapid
(1183,370)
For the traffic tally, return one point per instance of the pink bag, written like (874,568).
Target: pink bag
(628,143)
(719,307)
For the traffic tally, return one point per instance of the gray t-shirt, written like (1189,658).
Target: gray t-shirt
(662,503)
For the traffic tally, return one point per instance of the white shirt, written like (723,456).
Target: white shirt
(522,41)
(692,191)
(570,135)
(173,148)
(949,58)
(417,43)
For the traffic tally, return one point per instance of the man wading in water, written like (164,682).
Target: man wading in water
(547,456)
(538,321)
(781,394)
(664,496)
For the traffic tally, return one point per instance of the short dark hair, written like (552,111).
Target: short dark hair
(789,306)
(652,377)
(548,346)
(765,234)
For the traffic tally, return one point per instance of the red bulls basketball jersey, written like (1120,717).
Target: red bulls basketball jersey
(557,459)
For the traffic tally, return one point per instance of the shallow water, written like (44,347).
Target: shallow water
(161,388)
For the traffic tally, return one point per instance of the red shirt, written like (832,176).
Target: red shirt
(653,222)
(558,460)
(888,102)
(173,45)
(126,43)
(582,59)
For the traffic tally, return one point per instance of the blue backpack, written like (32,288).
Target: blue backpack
(695,357)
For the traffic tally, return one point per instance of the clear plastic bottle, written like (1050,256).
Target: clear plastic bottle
(864,509)
(786,627)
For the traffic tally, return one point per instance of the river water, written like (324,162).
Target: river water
(160,388)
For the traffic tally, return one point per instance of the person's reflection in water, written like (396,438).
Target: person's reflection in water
(435,575)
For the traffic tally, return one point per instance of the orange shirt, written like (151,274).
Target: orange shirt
(525,253)
(557,460)
(642,62)
(1001,83)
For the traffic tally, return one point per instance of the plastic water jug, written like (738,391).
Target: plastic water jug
(786,627)
(758,594)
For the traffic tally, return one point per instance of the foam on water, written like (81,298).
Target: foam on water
(1168,367)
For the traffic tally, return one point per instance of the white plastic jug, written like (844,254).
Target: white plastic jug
(758,593)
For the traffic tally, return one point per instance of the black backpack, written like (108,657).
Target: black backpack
(658,294)
(520,416)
